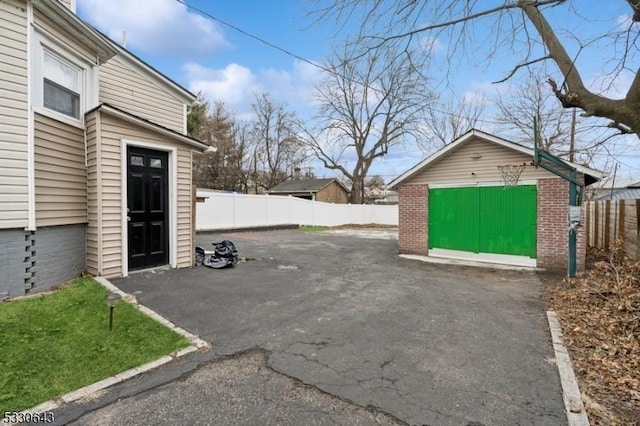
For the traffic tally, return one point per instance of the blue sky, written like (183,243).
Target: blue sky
(201,54)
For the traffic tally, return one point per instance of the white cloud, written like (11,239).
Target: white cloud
(236,85)
(233,84)
(154,26)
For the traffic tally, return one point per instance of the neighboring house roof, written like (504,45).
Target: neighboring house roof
(618,183)
(627,194)
(304,185)
(82,31)
(594,175)
(142,122)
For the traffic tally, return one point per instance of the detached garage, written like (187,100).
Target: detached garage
(455,204)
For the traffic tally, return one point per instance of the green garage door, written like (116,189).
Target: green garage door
(493,219)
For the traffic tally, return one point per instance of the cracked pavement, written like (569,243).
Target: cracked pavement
(345,333)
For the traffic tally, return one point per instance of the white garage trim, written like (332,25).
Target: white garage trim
(505,259)
(478,184)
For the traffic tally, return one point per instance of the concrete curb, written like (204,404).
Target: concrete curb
(473,263)
(196,342)
(576,414)
(89,390)
(247,229)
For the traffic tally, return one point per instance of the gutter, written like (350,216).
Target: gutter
(198,146)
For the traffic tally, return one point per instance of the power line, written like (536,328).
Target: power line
(317,65)
(255,37)
(308,61)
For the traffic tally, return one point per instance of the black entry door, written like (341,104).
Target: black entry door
(147,208)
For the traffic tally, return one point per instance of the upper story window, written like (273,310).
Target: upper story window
(62,83)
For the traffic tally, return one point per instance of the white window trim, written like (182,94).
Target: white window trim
(88,76)
(173,199)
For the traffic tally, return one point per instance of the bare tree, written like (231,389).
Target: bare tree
(277,149)
(519,106)
(365,108)
(560,131)
(450,120)
(519,25)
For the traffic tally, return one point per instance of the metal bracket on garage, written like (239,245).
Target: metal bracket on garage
(569,173)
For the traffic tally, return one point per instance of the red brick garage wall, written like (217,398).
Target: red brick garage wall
(413,216)
(553,237)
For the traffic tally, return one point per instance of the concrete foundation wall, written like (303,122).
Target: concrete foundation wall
(14,262)
(60,255)
(39,260)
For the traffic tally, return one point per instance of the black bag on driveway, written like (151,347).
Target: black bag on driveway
(225,255)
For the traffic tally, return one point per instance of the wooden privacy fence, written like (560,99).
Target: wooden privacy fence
(606,221)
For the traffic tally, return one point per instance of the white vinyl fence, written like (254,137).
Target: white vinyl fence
(229,210)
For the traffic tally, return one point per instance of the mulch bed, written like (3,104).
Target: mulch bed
(600,317)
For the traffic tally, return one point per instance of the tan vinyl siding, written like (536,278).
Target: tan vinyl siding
(14,208)
(122,86)
(458,166)
(93,242)
(185,236)
(60,173)
(104,233)
(59,35)
(68,4)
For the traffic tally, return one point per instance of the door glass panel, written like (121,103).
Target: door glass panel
(156,162)
(137,160)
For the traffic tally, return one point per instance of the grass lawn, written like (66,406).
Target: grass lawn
(53,344)
(313,228)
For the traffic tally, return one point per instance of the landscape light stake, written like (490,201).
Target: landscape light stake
(111,299)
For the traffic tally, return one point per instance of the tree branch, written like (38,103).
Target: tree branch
(635,5)
(466,18)
(633,94)
(556,49)
(522,65)
(623,129)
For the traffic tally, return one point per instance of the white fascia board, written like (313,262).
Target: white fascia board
(489,138)
(198,146)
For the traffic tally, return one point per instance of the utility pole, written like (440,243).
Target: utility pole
(572,140)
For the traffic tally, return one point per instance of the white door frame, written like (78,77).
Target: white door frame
(173,199)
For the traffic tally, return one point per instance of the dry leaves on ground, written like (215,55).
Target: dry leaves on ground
(600,317)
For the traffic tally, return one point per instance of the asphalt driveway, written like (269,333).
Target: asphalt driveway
(415,342)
